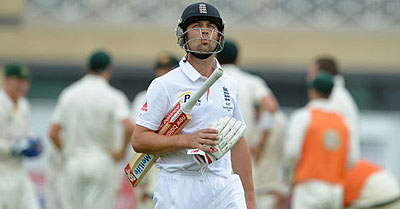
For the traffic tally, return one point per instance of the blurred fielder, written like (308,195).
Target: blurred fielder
(144,192)
(369,186)
(16,142)
(208,165)
(319,150)
(340,99)
(83,129)
(264,128)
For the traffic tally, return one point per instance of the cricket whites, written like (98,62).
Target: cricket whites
(173,123)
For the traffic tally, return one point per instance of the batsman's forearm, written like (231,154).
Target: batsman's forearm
(147,141)
(241,165)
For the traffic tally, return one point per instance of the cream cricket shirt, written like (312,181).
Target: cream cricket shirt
(178,85)
(87,111)
(344,104)
(251,91)
(14,124)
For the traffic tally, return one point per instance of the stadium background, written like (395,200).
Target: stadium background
(278,40)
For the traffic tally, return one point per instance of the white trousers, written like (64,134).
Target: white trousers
(266,201)
(183,190)
(17,191)
(317,195)
(90,182)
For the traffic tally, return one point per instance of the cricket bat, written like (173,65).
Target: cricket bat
(173,123)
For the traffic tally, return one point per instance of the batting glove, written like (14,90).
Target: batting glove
(230,131)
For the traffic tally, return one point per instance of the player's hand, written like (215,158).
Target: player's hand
(202,138)
(29,147)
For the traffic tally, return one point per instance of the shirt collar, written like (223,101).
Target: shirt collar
(95,78)
(191,72)
(320,103)
(338,80)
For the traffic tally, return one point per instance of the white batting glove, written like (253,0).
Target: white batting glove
(230,131)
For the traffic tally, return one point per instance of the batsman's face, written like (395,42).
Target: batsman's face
(25,86)
(202,36)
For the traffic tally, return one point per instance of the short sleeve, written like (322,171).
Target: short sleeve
(155,106)
(137,104)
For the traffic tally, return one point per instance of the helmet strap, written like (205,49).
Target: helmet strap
(201,56)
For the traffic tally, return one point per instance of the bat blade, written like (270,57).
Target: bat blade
(173,123)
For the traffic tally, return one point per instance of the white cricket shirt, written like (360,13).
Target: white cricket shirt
(344,104)
(87,112)
(14,124)
(178,85)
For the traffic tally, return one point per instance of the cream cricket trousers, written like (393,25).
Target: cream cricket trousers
(183,190)
(90,182)
(16,190)
(317,195)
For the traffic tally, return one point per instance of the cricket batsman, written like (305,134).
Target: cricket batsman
(207,165)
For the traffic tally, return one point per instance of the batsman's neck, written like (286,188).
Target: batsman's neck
(204,66)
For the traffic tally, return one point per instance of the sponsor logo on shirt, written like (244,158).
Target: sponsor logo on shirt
(186,96)
(144,108)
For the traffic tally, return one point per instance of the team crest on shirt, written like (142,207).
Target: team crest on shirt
(184,97)
(331,140)
(228,99)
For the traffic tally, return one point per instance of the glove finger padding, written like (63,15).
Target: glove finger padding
(224,126)
(230,131)
(234,136)
(234,130)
